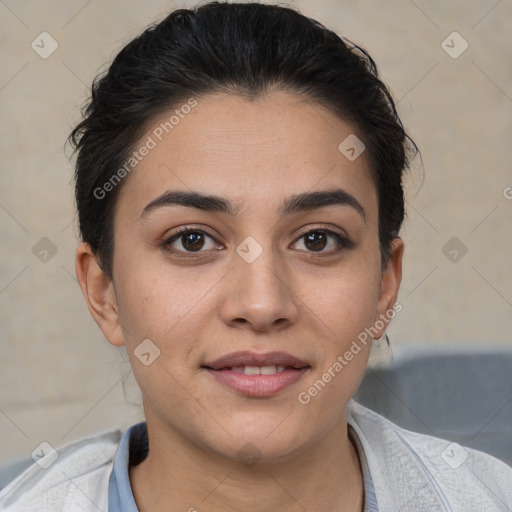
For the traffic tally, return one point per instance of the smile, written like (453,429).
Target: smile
(257,375)
(257,370)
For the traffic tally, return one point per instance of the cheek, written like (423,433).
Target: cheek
(343,354)
(347,351)
(347,298)
(344,308)
(172,309)
(154,299)
(166,310)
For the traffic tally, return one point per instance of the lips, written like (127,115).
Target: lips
(257,375)
(253,359)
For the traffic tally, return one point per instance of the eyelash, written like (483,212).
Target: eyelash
(344,243)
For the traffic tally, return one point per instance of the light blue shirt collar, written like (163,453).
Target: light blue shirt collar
(134,446)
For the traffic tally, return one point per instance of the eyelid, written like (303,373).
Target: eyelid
(323,227)
(190,227)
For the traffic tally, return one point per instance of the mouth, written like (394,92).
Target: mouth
(256,370)
(257,375)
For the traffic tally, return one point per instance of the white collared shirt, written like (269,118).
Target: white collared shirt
(409,472)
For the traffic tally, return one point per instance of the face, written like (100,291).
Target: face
(253,281)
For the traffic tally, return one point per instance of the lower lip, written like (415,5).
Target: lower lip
(257,385)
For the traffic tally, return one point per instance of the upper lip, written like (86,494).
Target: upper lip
(248,358)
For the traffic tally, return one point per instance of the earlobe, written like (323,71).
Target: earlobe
(99,294)
(390,284)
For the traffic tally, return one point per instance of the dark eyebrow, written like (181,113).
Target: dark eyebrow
(312,200)
(294,204)
(209,203)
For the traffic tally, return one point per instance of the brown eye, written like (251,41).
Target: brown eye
(189,240)
(315,240)
(324,241)
(192,241)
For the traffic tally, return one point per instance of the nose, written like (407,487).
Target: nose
(259,295)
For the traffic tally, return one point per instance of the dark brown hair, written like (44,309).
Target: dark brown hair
(246,49)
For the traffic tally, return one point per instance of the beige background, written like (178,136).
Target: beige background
(60,379)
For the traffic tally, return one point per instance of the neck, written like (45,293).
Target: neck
(326,476)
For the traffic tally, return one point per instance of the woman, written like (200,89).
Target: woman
(238,185)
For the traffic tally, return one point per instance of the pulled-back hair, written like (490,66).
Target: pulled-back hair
(244,49)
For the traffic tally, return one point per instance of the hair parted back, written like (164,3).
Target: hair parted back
(244,49)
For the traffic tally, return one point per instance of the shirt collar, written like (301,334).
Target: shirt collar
(401,479)
(133,449)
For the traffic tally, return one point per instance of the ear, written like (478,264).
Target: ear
(99,293)
(390,284)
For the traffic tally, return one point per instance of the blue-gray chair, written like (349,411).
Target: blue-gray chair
(464,397)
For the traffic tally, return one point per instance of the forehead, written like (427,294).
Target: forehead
(254,152)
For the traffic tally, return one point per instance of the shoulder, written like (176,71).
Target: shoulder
(411,468)
(74,478)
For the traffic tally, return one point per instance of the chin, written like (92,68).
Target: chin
(261,437)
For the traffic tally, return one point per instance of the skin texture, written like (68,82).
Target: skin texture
(291,298)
